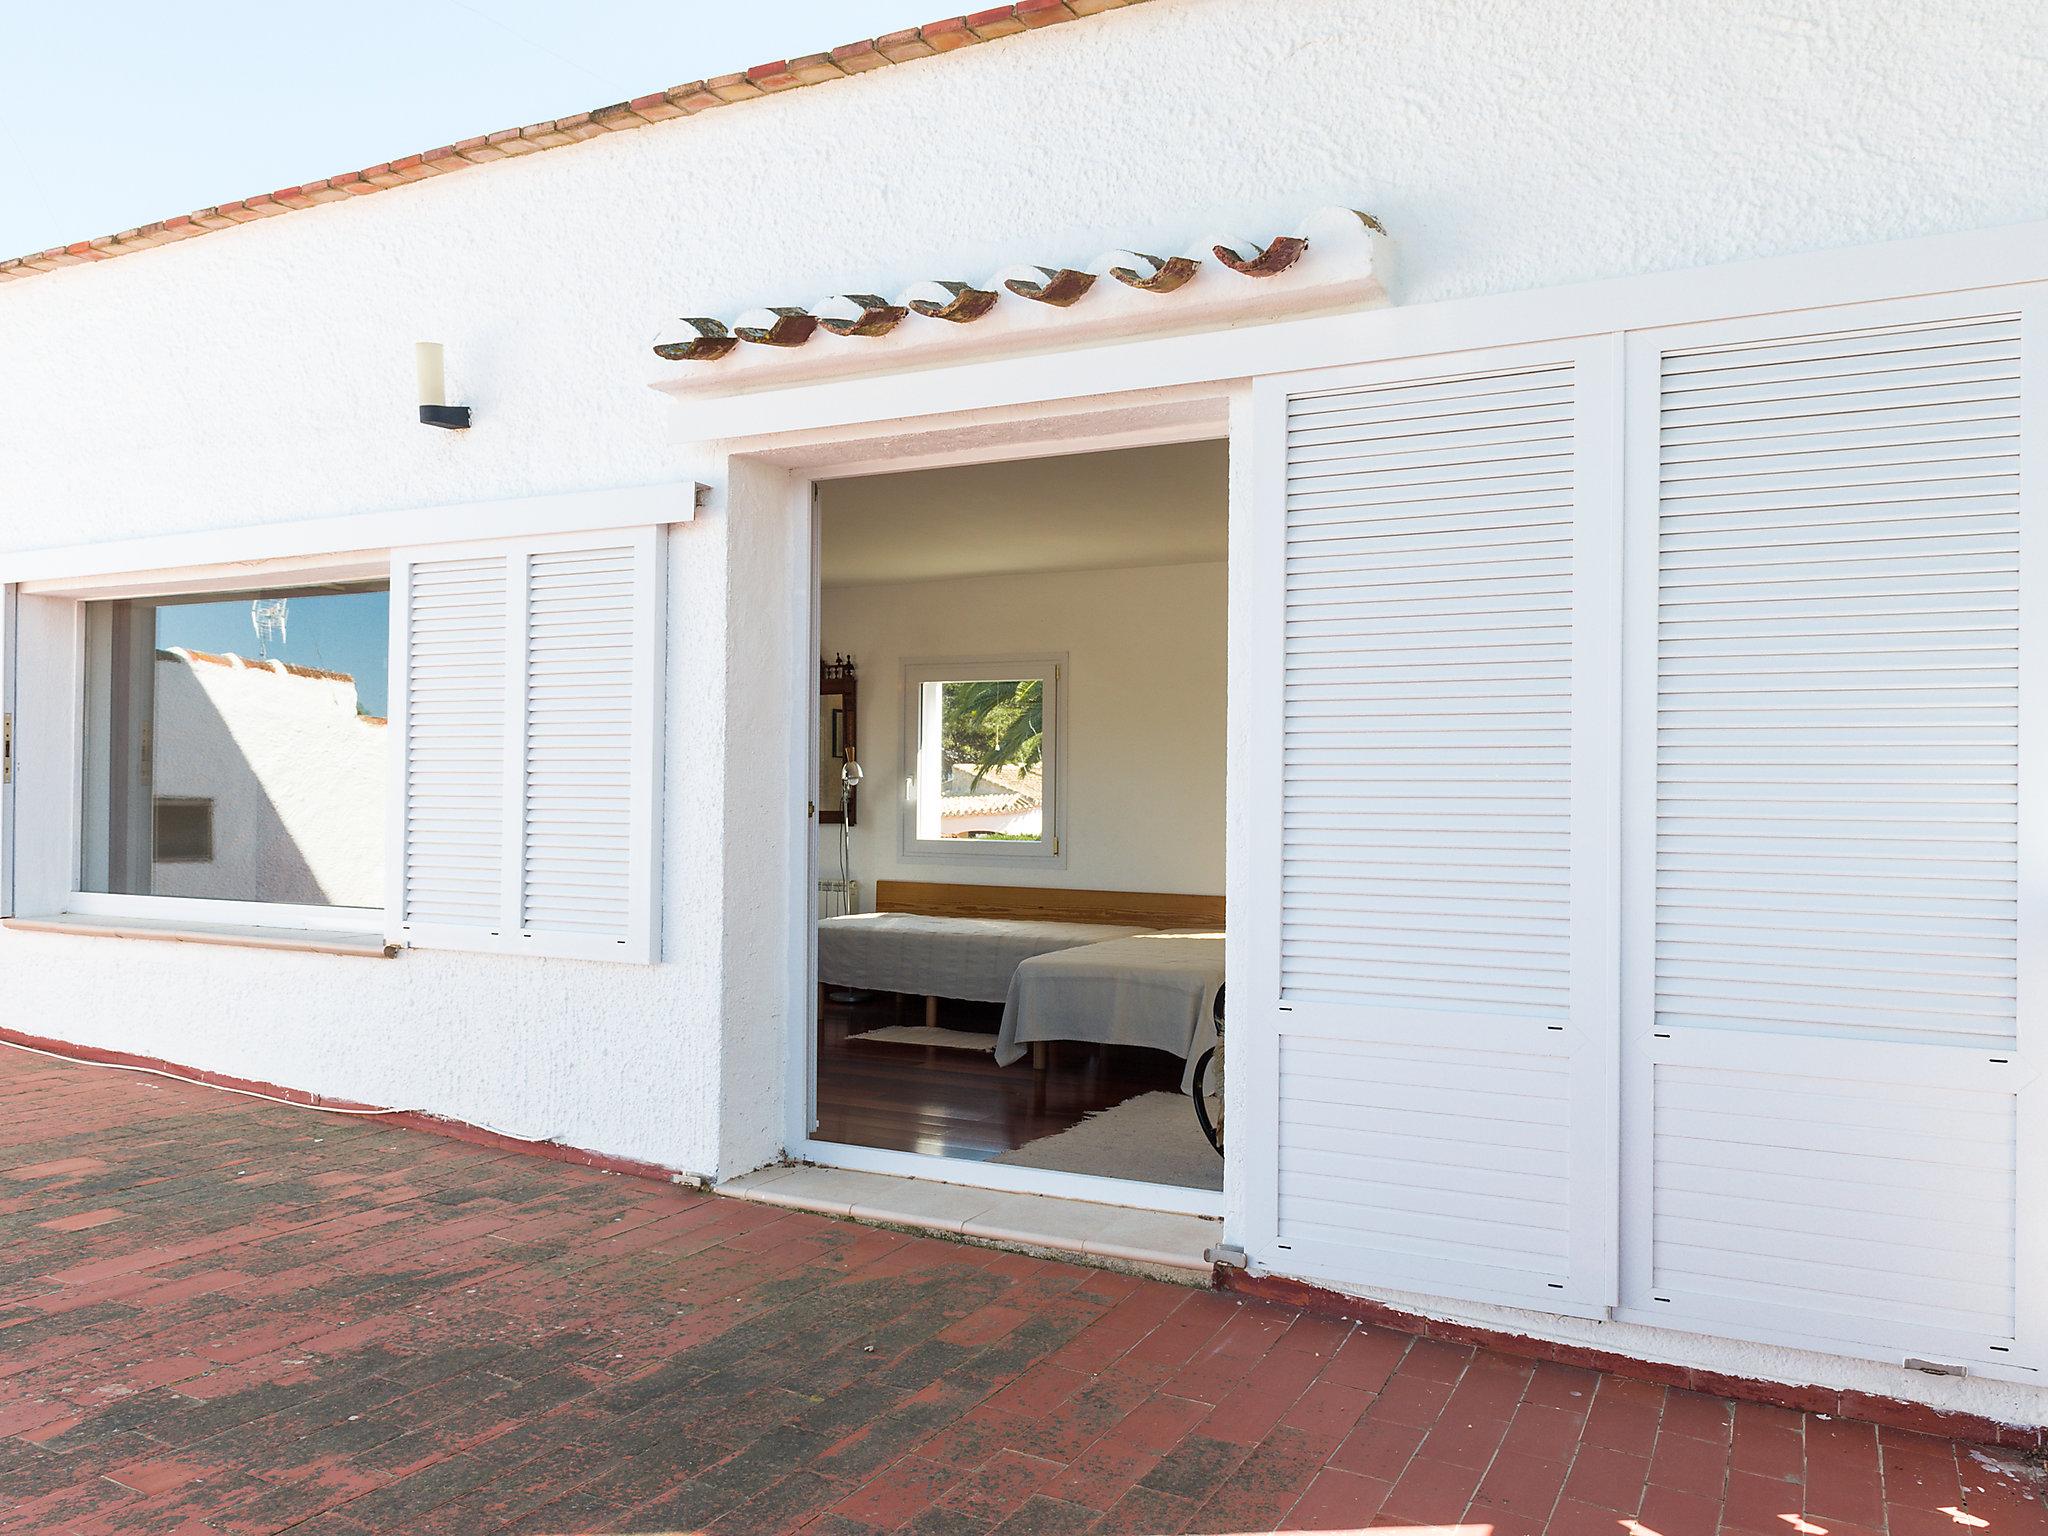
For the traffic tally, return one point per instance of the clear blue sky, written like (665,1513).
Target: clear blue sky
(118,112)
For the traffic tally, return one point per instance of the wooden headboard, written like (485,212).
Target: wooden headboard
(1136,909)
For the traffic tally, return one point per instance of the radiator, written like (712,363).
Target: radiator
(837,898)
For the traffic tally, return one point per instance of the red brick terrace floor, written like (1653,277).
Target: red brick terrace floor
(223,1315)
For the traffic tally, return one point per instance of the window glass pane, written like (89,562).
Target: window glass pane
(982,773)
(235,746)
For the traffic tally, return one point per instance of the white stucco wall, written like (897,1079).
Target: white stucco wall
(1144,695)
(264,374)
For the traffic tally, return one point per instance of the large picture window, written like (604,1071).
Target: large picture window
(235,746)
(984,758)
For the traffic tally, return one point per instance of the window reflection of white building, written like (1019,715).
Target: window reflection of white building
(295,773)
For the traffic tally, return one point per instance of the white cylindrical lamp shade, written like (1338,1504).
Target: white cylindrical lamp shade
(426,356)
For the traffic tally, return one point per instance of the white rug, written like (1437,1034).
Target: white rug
(946,1039)
(1153,1138)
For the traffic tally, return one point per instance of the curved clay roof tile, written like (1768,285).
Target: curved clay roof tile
(711,341)
(1152,274)
(776,326)
(1059,286)
(860,314)
(958,302)
(1253,261)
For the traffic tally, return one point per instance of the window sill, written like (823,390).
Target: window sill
(306,940)
(982,850)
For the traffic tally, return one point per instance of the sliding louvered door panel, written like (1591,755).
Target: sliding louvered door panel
(1829,1086)
(530,727)
(1438,956)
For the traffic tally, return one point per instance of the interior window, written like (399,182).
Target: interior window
(983,771)
(235,746)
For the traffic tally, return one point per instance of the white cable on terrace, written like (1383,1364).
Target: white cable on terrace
(269,1098)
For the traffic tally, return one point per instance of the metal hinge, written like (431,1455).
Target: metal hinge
(811,810)
(6,749)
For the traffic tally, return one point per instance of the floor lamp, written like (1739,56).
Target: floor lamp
(849,778)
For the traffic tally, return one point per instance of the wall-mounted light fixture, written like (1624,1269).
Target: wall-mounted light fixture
(435,411)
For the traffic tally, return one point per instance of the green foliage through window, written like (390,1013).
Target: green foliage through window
(991,725)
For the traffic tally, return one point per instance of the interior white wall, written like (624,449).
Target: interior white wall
(1144,705)
(1162,504)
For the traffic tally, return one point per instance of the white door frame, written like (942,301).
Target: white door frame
(1140,418)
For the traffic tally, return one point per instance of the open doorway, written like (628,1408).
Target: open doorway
(1021,777)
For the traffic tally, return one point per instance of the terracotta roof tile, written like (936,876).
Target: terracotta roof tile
(902,47)
(815,69)
(944,36)
(987,26)
(858,58)
(251,664)
(653,109)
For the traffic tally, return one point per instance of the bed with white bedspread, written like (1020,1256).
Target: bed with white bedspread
(1151,989)
(929,956)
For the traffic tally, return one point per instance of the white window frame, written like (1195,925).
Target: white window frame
(195,910)
(1050,671)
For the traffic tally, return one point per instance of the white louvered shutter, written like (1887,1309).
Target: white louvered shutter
(530,722)
(1439,947)
(1827,1019)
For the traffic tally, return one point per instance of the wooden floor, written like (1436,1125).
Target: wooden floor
(952,1103)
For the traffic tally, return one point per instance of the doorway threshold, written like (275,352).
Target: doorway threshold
(1160,1243)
